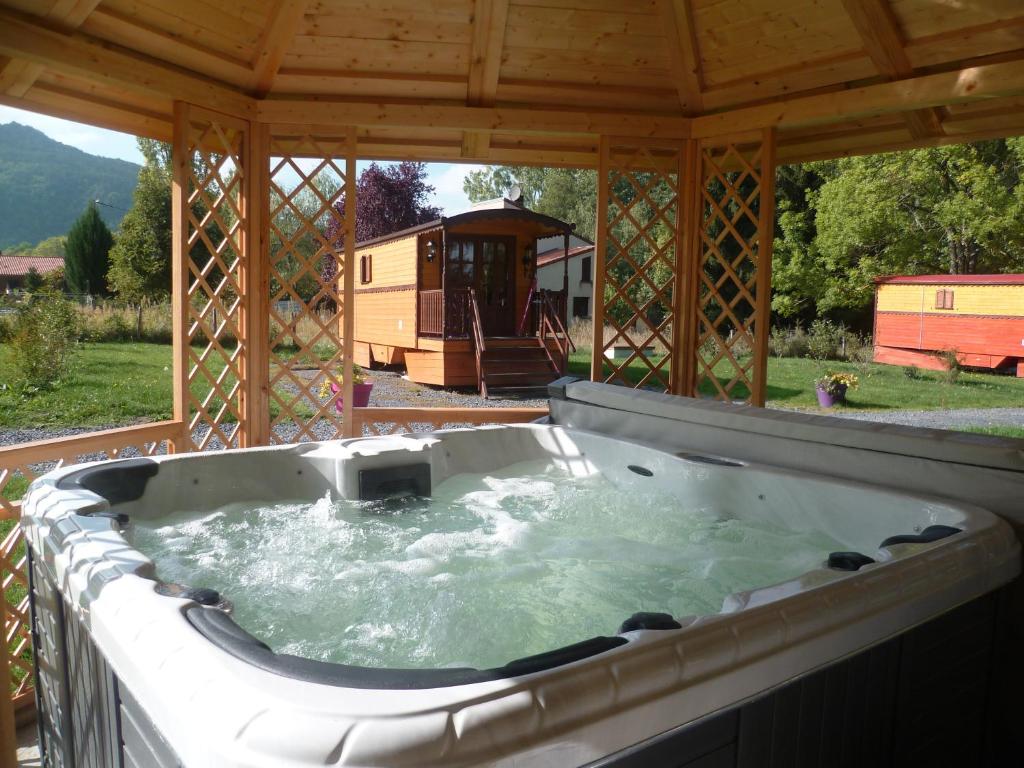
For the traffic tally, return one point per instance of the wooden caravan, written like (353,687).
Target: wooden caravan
(456,301)
(981,317)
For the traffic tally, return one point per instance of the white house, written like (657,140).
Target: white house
(551,260)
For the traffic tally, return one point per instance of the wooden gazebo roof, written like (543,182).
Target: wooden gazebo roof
(531,80)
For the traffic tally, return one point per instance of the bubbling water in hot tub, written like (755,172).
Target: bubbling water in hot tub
(491,568)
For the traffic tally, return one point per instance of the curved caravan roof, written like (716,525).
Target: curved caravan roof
(544,225)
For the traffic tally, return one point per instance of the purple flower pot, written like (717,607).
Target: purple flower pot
(360,395)
(827,400)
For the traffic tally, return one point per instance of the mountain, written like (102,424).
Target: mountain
(45,185)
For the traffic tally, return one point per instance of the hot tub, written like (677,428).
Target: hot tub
(690,658)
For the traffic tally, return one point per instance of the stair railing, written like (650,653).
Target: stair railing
(479,345)
(552,327)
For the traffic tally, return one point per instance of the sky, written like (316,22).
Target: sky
(445,177)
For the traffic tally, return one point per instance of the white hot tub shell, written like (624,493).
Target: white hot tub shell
(134,673)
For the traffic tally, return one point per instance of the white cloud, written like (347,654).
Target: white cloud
(447,180)
(95,141)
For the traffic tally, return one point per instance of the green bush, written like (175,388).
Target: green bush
(950,359)
(912,372)
(43,336)
(824,340)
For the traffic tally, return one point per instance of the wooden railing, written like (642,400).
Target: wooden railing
(551,329)
(479,344)
(19,465)
(431,313)
(445,313)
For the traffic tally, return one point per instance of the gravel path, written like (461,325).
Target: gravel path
(944,419)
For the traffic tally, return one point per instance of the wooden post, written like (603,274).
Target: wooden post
(8,735)
(348,281)
(443,256)
(256,284)
(687,279)
(181,163)
(565,277)
(765,234)
(600,244)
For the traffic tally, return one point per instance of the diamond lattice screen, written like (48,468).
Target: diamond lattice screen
(215,231)
(640,189)
(732,283)
(306,266)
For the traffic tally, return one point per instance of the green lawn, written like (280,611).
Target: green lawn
(882,387)
(112,384)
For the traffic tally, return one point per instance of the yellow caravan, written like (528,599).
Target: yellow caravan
(456,300)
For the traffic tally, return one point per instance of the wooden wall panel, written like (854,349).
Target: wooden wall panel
(1005,300)
(967,334)
(393,263)
(386,317)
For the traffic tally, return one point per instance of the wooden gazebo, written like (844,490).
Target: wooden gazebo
(687,105)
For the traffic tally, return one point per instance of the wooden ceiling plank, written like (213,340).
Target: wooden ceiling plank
(879,30)
(490,18)
(67,13)
(77,53)
(971,84)
(277,37)
(685,54)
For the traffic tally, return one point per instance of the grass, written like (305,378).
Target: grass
(999,431)
(112,384)
(882,387)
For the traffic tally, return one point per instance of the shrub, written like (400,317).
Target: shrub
(43,338)
(791,342)
(824,339)
(951,360)
(912,372)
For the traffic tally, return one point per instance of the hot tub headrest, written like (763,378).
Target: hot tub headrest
(221,630)
(115,481)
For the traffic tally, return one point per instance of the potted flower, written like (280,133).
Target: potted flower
(832,388)
(360,389)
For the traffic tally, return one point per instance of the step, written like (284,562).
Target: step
(532,366)
(519,378)
(513,353)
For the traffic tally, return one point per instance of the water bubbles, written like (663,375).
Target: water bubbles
(491,568)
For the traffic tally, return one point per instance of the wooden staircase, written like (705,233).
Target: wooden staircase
(520,364)
(517,365)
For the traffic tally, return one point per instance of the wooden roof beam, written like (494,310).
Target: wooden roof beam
(490,18)
(960,86)
(883,41)
(76,53)
(684,52)
(278,35)
(70,14)
(299,111)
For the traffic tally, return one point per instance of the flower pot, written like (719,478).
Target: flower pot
(360,395)
(828,399)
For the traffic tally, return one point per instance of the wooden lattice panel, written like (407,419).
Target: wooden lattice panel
(214,220)
(19,466)
(733,275)
(306,269)
(637,255)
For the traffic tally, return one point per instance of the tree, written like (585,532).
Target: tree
(388,199)
(954,209)
(33,280)
(140,261)
(51,246)
(569,194)
(88,249)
